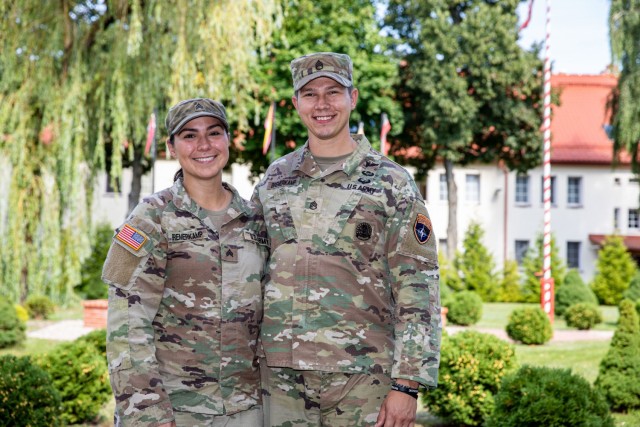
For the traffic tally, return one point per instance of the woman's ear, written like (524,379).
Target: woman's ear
(170,147)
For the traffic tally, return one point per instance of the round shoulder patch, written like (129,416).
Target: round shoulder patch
(422,229)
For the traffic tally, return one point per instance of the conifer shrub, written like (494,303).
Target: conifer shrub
(91,285)
(27,397)
(572,291)
(552,397)
(98,339)
(509,287)
(22,313)
(529,325)
(465,308)
(472,365)
(476,265)
(79,373)
(633,292)
(532,266)
(615,270)
(620,367)
(583,316)
(12,329)
(39,306)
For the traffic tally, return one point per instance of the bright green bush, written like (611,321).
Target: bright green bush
(98,339)
(529,325)
(537,396)
(12,330)
(615,270)
(91,285)
(572,291)
(39,306)
(27,397)
(633,292)
(465,308)
(22,313)
(79,373)
(509,288)
(620,368)
(583,316)
(472,365)
(476,265)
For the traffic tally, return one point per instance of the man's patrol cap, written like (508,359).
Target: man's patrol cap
(336,66)
(187,110)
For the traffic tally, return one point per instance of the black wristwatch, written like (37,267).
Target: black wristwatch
(413,392)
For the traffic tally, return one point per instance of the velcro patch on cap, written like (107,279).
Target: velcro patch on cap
(131,237)
(422,229)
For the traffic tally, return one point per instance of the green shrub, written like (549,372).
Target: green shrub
(98,339)
(509,289)
(476,265)
(472,365)
(532,265)
(39,306)
(91,285)
(572,291)
(615,270)
(465,308)
(620,367)
(551,397)
(22,313)
(12,330)
(583,316)
(633,292)
(27,397)
(529,325)
(80,375)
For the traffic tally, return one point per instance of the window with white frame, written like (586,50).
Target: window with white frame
(472,188)
(633,221)
(443,187)
(522,246)
(573,255)
(553,190)
(522,189)
(574,190)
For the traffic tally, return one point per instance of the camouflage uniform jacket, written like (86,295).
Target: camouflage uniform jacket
(353,280)
(185,304)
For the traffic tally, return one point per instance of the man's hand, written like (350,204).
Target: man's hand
(398,410)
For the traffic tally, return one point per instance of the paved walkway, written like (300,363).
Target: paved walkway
(64,330)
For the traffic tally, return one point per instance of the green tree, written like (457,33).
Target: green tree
(572,291)
(620,367)
(476,265)
(78,82)
(345,26)
(91,286)
(509,288)
(624,31)
(615,269)
(470,93)
(533,264)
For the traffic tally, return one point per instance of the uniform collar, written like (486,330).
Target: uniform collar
(303,160)
(183,202)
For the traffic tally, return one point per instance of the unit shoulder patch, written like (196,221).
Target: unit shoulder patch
(422,229)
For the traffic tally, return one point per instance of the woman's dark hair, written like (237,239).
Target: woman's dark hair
(179,174)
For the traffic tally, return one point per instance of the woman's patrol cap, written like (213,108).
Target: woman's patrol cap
(336,66)
(185,111)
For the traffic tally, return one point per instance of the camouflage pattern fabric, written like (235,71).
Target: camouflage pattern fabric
(313,398)
(336,66)
(249,418)
(185,304)
(353,280)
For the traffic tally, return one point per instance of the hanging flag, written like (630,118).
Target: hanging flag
(151,133)
(384,130)
(268,128)
(526,21)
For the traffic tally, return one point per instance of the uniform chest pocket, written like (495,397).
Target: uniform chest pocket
(278,219)
(243,260)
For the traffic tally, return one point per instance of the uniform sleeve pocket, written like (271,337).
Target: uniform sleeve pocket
(123,264)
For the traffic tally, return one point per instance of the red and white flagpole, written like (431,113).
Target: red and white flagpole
(546,284)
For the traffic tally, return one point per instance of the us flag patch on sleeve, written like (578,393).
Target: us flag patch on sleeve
(131,237)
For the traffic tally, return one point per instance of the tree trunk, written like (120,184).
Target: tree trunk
(136,181)
(452,199)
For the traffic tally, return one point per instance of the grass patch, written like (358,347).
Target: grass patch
(31,346)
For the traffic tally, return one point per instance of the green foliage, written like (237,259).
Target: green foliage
(27,395)
(22,313)
(472,365)
(572,291)
(529,325)
(615,269)
(449,274)
(633,292)
(465,308)
(92,286)
(620,368)
(533,264)
(39,306)
(624,29)
(552,397)
(509,288)
(476,265)
(583,315)
(305,27)
(79,373)
(98,339)
(12,329)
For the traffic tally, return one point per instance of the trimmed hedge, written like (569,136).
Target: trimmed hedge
(529,325)
(465,308)
(39,306)
(583,316)
(536,396)
(12,329)
(573,291)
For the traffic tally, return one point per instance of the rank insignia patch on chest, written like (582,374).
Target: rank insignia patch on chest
(131,237)
(363,231)
(422,229)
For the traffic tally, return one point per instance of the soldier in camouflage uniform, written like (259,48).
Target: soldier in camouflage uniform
(352,322)
(185,294)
